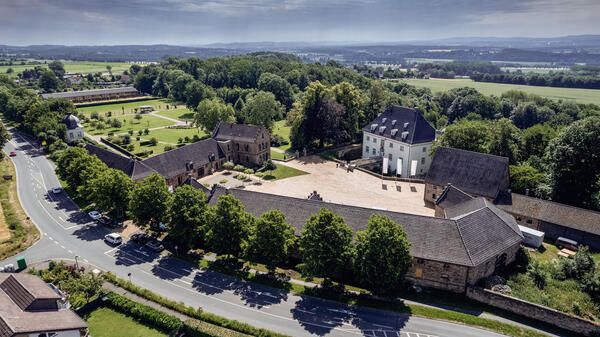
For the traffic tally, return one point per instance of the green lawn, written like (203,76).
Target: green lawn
(172,135)
(282,172)
(105,322)
(284,131)
(117,108)
(130,123)
(181,113)
(579,95)
(277,155)
(74,67)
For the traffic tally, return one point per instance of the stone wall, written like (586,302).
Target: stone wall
(432,192)
(533,311)
(438,275)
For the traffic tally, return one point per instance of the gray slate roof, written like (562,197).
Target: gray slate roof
(446,240)
(81,93)
(451,196)
(15,319)
(552,212)
(394,118)
(134,168)
(71,121)
(173,163)
(237,132)
(475,173)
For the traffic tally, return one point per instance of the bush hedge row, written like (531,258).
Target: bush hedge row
(191,312)
(143,313)
(195,328)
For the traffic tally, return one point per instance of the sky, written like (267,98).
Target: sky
(197,22)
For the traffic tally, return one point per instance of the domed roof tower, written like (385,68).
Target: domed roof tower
(71,121)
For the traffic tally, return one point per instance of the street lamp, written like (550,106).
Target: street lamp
(129,275)
(77,262)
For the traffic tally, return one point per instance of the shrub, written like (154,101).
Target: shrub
(153,141)
(168,148)
(228,165)
(195,328)
(146,131)
(187,139)
(143,313)
(130,147)
(537,274)
(522,259)
(249,171)
(94,115)
(277,140)
(239,168)
(127,139)
(115,123)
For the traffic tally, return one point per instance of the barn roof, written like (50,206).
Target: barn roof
(82,93)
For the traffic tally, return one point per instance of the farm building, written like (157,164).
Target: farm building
(95,95)
(448,253)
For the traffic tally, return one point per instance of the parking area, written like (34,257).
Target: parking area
(356,188)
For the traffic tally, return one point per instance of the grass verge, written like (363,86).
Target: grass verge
(23,232)
(106,322)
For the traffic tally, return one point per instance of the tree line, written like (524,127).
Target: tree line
(553,79)
(378,257)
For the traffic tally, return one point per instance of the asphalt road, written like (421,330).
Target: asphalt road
(67,233)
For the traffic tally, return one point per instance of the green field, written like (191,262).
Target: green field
(128,107)
(105,322)
(284,131)
(73,67)
(129,123)
(579,95)
(172,135)
(282,172)
(181,113)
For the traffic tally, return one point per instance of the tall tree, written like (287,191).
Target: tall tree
(58,68)
(228,227)
(467,135)
(270,240)
(278,86)
(261,108)
(212,111)
(4,137)
(505,140)
(382,255)
(535,139)
(48,81)
(326,245)
(149,201)
(188,214)
(110,191)
(574,163)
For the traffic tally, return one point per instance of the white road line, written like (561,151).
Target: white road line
(70,251)
(383,326)
(51,238)
(110,251)
(63,247)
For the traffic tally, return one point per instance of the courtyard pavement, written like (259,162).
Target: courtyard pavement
(351,188)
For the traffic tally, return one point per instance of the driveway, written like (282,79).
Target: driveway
(357,188)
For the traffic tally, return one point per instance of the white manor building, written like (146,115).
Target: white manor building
(403,137)
(74,130)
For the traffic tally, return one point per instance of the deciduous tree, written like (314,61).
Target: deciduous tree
(187,214)
(228,226)
(270,239)
(149,201)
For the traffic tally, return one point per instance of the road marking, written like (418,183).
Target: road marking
(383,326)
(51,238)
(70,251)
(110,251)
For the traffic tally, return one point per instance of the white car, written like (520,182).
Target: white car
(113,239)
(56,190)
(95,215)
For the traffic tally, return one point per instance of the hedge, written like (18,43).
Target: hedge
(191,312)
(143,313)
(195,328)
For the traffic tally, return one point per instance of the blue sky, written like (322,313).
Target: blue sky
(84,22)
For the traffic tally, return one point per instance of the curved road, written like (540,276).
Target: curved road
(66,232)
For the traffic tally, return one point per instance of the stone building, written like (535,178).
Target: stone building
(250,144)
(96,95)
(74,128)
(30,307)
(404,137)
(198,159)
(555,219)
(475,240)
(477,174)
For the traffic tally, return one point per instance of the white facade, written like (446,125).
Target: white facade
(73,135)
(378,146)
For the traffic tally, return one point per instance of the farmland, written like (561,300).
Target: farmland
(579,95)
(73,67)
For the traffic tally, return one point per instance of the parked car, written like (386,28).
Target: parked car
(104,220)
(95,215)
(114,239)
(12,154)
(140,237)
(57,190)
(562,242)
(155,245)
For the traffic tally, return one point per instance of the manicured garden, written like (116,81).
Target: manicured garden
(181,113)
(172,135)
(123,108)
(282,130)
(106,322)
(127,123)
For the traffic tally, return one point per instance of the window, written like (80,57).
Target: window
(446,266)
(391,145)
(374,151)
(368,138)
(401,148)
(420,261)
(366,149)
(425,149)
(390,156)
(519,218)
(433,196)
(529,221)
(423,161)
(375,140)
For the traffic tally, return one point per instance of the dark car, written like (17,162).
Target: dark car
(140,238)
(12,154)
(155,245)
(104,220)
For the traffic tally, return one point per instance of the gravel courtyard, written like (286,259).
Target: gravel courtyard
(351,188)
